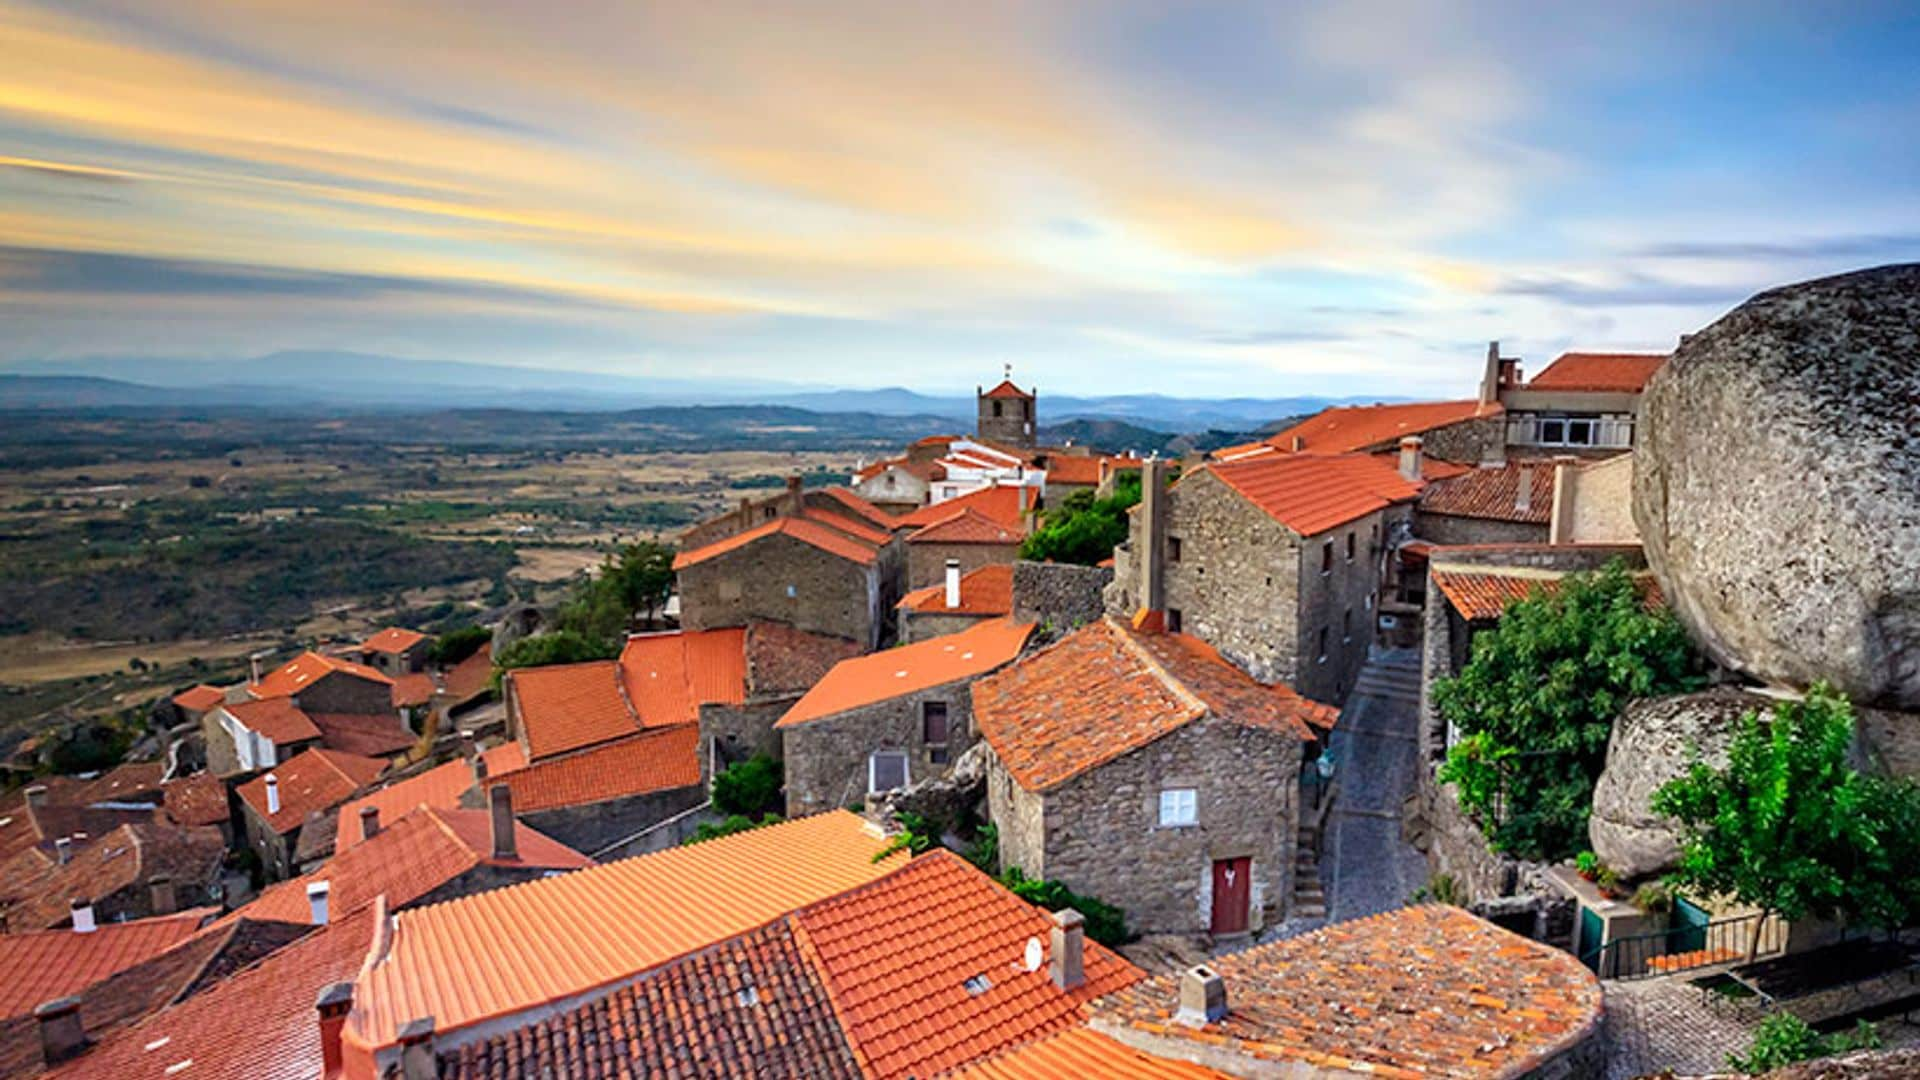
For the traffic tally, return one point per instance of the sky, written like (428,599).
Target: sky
(1186,198)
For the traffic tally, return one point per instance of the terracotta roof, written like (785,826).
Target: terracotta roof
(302,671)
(986,591)
(656,759)
(852,526)
(1083,1054)
(965,526)
(1486,594)
(439,786)
(898,955)
(1006,389)
(1084,469)
(1104,690)
(199,799)
(413,688)
(925,470)
(128,856)
(408,858)
(1599,372)
(133,781)
(469,678)
(394,639)
(784,660)
(860,508)
(1346,428)
(276,718)
(365,734)
(669,676)
(200,698)
(1002,503)
(1419,992)
(258,1024)
(751,1006)
(500,952)
(804,529)
(563,707)
(49,964)
(1312,493)
(311,782)
(907,669)
(1492,493)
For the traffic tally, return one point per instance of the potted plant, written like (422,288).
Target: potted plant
(1587,865)
(1609,883)
(1653,898)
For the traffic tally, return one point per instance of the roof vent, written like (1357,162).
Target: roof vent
(82,910)
(979,984)
(273,794)
(748,997)
(317,893)
(1203,997)
(369,822)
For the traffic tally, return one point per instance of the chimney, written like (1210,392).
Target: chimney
(1203,997)
(1298,443)
(253,664)
(61,1034)
(161,895)
(82,911)
(953,583)
(37,796)
(1410,458)
(273,794)
(469,746)
(480,769)
(416,1049)
(1523,499)
(63,849)
(795,501)
(1067,948)
(500,802)
(1151,550)
(369,822)
(1490,378)
(1566,496)
(333,1005)
(317,893)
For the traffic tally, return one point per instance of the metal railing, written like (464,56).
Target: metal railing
(1685,948)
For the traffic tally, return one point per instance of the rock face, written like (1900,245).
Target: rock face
(944,799)
(1777,485)
(1653,742)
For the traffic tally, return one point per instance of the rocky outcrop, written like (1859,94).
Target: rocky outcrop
(1777,484)
(943,799)
(1653,742)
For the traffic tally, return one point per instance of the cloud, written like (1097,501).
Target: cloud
(1892,245)
(1630,290)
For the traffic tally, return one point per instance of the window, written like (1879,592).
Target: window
(1369,601)
(1346,625)
(1580,433)
(1350,547)
(996,408)
(1179,807)
(1173,620)
(1173,549)
(886,771)
(933,729)
(1553,431)
(1326,557)
(1323,646)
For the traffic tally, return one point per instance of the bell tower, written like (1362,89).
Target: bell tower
(1007,413)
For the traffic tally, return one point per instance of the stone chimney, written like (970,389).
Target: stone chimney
(333,1005)
(63,849)
(1566,488)
(953,583)
(1410,458)
(796,501)
(161,895)
(37,796)
(369,822)
(1151,550)
(273,794)
(480,769)
(62,1036)
(82,913)
(416,1050)
(317,894)
(1297,443)
(500,804)
(1067,949)
(253,665)
(1523,498)
(1490,378)
(1203,997)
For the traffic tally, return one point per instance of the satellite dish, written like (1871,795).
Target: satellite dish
(1035,954)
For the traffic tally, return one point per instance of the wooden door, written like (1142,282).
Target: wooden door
(1232,889)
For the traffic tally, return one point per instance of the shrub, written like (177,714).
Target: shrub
(559,647)
(1106,924)
(1084,529)
(737,823)
(1440,889)
(917,835)
(984,851)
(1653,898)
(456,645)
(749,787)
(1783,1038)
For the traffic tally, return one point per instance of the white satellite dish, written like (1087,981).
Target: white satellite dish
(1035,954)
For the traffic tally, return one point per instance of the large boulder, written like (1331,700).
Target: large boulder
(1777,485)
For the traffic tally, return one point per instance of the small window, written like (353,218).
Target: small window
(1580,432)
(996,408)
(1178,807)
(1346,625)
(1350,547)
(1173,549)
(1173,620)
(1553,432)
(1323,646)
(886,771)
(933,729)
(1326,557)
(792,592)
(1369,601)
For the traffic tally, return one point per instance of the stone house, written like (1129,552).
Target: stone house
(1074,470)
(1277,560)
(795,500)
(880,722)
(965,538)
(1468,431)
(195,702)
(395,651)
(323,698)
(959,602)
(257,734)
(1508,502)
(1582,403)
(610,793)
(276,805)
(1143,768)
(130,871)
(897,485)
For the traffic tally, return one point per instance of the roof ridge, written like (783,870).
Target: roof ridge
(810,955)
(1173,682)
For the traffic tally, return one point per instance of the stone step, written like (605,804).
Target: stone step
(1309,911)
(1386,680)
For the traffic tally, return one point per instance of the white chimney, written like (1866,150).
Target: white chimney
(1410,457)
(1203,997)
(82,910)
(1068,948)
(1523,499)
(1299,443)
(317,893)
(273,794)
(253,663)
(63,849)
(953,583)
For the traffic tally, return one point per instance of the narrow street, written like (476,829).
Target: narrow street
(1365,864)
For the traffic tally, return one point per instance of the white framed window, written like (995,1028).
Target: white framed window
(1178,807)
(886,771)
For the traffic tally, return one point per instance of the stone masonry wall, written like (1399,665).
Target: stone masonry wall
(1340,601)
(222,758)
(921,625)
(1468,442)
(743,730)
(826,759)
(1103,836)
(927,562)
(1061,594)
(780,578)
(1453,529)
(1019,816)
(591,826)
(342,692)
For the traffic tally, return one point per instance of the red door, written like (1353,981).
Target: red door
(1232,887)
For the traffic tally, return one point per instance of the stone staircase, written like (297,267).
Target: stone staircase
(1395,677)
(1309,896)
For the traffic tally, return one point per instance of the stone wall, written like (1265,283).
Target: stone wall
(921,625)
(482,878)
(1452,529)
(893,487)
(1019,816)
(777,577)
(344,692)
(275,850)
(1468,442)
(1062,595)
(826,759)
(1601,502)
(1340,601)
(1103,837)
(927,562)
(1457,847)
(743,730)
(222,758)
(588,827)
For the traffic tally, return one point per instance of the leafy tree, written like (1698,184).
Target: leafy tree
(1783,1038)
(1083,529)
(1536,703)
(1791,828)
(559,647)
(749,787)
(456,645)
(638,579)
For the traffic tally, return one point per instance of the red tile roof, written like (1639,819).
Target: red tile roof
(134,781)
(808,531)
(497,953)
(199,799)
(1419,992)
(749,1007)
(1486,594)
(200,698)
(302,671)
(1312,493)
(908,669)
(563,707)
(1599,372)
(1002,503)
(986,591)
(276,718)
(365,734)
(1083,1054)
(1346,428)
(1006,389)
(656,759)
(394,639)
(852,526)
(413,688)
(470,677)
(1105,690)
(129,856)
(669,676)
(49,964)
(1492,493)
(440,786)
(898,954)
(860,508)
(311,782)
(784,660)
(925,470)
(965,526)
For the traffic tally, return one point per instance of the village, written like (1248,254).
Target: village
(1414,739)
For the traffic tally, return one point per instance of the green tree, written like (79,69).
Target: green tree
(1791,828)
(559,647)
(638,579)
(456,645)
(749,787)
(1083,529)
(1535,705)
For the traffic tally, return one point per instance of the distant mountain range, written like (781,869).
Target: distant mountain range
(309,381)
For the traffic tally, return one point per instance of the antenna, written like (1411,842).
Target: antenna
(1009,368)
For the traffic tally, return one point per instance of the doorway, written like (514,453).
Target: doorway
(1232,889)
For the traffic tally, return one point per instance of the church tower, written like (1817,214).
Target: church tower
(1007,414)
